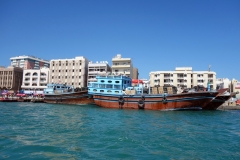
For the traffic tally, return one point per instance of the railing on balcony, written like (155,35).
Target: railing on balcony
(167,77)
(121,66)
(180,77)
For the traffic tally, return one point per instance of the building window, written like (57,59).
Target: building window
(79,70)
(59,70)
(58,77)
(72,77)
(52,77)
(65,77)
(79,84)
(79,76)
(73,70)
(66,70)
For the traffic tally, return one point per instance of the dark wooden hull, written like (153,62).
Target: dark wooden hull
(217,102)
(8,100)
(81,97)
(194,100)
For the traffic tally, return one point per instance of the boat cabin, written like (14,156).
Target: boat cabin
(53,88)
(110,84)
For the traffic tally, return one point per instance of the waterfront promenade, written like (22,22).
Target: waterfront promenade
(22,99)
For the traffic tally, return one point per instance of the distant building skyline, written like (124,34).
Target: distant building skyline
(29,62)
(183,77)
(69,71)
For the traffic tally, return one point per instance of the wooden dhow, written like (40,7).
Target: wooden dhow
(116,92)
(64,94)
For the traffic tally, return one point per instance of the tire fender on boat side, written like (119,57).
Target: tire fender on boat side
(141,104)
(121,100)
(164,99)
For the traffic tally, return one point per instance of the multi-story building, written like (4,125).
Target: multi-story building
(122,66)
(235,87)
(183,77)
(222,83)
(135,73)
(35,80)
(11,78)
(29,62)
(98,68)
(69,71)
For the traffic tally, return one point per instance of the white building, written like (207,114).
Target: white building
(183,77)
(122,66)
(69,71)
(98,68)
(146,83)
(222,83)
(35,80)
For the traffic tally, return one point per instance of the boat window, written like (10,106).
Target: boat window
(116,86)
(102,81)
(117,82)
(109,81)
(125,82)
(58,86)
(101,85)
(101,90)
(109,86)
(94,90)
(116,91)
(109,91)
(95,85)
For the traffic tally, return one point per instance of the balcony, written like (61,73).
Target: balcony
(41,82)
(127,72)
(167,77)
(181,83)
(121,66)
(200,78)
(180,77)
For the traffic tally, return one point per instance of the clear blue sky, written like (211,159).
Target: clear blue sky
(156,34)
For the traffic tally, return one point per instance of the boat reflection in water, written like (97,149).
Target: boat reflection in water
(117,92)
(64,94)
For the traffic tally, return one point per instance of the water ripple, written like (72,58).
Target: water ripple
(45,131)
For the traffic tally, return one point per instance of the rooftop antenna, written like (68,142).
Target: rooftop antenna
(209,66)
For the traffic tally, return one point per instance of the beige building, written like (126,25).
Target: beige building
(69,71)
(135,73)
(183,77)
(11,78)
(98,68)
(235,87)
(122,66)
(35,80)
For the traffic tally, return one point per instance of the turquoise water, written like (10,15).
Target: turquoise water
(46,131)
